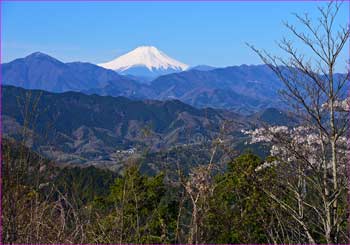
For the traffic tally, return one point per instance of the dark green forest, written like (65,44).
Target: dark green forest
(43,203)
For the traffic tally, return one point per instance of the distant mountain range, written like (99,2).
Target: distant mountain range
(202,68)
(97,116)
(244,89)
(41,71)
(75,128)
(91,128)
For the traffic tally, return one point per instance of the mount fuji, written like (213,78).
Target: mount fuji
(146,62)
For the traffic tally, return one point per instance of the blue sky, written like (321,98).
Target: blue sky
(192,32)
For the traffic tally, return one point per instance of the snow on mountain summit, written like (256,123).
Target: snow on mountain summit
(148,57)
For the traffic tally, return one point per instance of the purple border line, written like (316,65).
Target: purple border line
(242,1)
(1,238)
(102,1)
(348,146)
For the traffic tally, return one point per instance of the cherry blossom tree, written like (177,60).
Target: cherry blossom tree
(312,157)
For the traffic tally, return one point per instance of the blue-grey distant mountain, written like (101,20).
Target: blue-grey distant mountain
(41,71)
(203,68)
(146,74)
(242,88)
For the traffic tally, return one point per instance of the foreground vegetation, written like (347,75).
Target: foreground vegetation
(46,204)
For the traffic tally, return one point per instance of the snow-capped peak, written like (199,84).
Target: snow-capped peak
(145,56)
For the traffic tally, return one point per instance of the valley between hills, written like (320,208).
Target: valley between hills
(81,114)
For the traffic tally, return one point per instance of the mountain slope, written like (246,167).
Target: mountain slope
(273,116)
(73,127)
(203,68)
(244,89)
(41,71)
(241,88)
(145,61)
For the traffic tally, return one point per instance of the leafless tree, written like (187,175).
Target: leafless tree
(317,95)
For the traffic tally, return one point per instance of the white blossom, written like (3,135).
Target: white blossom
(339,105)
(298,144)
(267,165)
